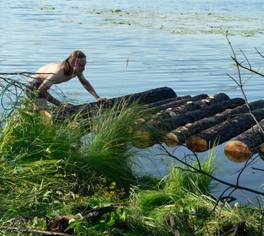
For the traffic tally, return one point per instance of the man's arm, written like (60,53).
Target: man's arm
(43,90)
(53,100)
(86,84)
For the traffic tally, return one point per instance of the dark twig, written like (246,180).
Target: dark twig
(255,168)
(239,175)
(262,55)
(36,231)
(248,69)
(245,58)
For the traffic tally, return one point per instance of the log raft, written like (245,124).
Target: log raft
(179,135)
(153,130)
(199,121)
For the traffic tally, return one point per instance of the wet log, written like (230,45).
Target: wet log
(197,104)
(154,131)
(223,132)
(161,110)
(179,135)
(181,102)
(165,101)
(169,110)
(146,97)
(240,148)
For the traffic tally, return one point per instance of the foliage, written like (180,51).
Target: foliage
(182,203)
(109,146)
(50,169)
(29,136)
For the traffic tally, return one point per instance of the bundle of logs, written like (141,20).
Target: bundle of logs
(200,122)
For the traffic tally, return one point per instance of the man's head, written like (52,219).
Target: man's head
(77,62)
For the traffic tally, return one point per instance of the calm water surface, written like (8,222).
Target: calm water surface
(179,44)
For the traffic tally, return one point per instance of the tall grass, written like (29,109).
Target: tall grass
(178,181)
(109,149)
(42,160)
(29,136)
(34,153)
(182,202)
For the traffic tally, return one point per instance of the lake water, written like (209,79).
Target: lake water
(138,45)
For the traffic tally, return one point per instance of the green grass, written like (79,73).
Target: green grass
(51,169)
(108,151)
(184,198)
(30,136)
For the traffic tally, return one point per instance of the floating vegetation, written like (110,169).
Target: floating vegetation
(186,22)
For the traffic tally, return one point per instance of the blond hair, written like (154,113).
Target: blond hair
(67,64)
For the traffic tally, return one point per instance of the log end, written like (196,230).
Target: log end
(197,144)
(237,151)
(171,140)
(48,118)
(142,139)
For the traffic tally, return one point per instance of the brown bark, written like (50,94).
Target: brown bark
(158,104)
(179,135)
(158,129)
(149,96)
(244,145)
(166,110)
(197,104)
(223,132)
(181,102)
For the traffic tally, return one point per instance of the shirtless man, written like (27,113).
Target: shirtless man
(56,73)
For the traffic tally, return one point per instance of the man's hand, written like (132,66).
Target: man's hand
(99,99)
(68,106)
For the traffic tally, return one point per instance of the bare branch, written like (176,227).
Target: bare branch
(36,231)
(245,58)
(262,55)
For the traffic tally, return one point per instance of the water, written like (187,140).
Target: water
(179,44)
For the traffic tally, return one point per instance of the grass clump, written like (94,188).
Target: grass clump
(109,149)
(29,136)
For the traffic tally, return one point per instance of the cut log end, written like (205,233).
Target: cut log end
(197,144)
(171,140)
(142,139)
(237,151)
(261,148)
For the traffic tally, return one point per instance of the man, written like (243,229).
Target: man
(56,73)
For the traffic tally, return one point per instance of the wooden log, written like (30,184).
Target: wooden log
(145,97)
(158,129)
(165,101)
(179,135)
(160,110)
(183,101)
(197,104)
(169,110)
(223,132)
(240,148)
